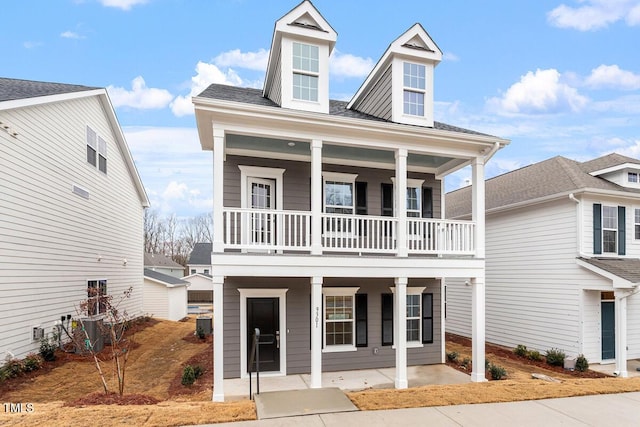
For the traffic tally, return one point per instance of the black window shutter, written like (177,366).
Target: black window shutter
(361,198)
(427,202)
(361,320)
(427,318)
(387,199)
(622,241)
(597,228)
(387,319)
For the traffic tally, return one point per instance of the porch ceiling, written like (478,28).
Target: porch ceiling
(284,148)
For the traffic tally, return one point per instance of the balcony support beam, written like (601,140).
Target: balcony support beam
(400,332)
(401,201)
(316,332)
(218,190)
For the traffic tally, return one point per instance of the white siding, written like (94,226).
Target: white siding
(591,326)
(53,241)
(633,327)
(458,307)
(632,245)
(177,303)
(156,298)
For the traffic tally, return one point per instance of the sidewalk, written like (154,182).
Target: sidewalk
(601,410)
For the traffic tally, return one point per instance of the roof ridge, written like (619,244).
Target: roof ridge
(570,171)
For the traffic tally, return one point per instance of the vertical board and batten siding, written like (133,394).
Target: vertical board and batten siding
(298,325)
(297,182)
(378,101)
(52,238)
(533,284)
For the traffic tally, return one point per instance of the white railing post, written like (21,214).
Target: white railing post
(401,201)
(316,197)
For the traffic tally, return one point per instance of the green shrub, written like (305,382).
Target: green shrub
(32,362)
(452,356)
(521,350)
(188,376)
(200,333)
(497,372)
(198,371)
(13,368)
(47,350)
(581,363)
(487,364)
(534,355)
(555,357)
(466,363)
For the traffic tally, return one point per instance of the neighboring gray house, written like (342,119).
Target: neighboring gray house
(165,296)
(563,259)
(163,264)
(200,259)
(71,209)
(328,229)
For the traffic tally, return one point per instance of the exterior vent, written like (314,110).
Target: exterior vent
(38,333)
(80,192)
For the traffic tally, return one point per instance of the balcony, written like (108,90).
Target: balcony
(259,230)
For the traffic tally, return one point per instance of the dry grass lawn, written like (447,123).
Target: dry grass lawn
(162,354)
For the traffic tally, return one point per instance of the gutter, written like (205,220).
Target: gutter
(578,225)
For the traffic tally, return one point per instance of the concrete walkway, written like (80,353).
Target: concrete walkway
(619,410)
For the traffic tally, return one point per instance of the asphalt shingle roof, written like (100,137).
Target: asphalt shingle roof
(556,175)
(159,260)
(12,89)
(627,268)
(201,254)
(164,277)
(336,108)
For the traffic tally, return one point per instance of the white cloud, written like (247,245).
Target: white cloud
(611,76)
(71,35)
(249,60)
(448,56)
(31,45)
(541,92)
(632,150)
(206,74)
(595,14)
(122,4)
(347,65)
(175,190)
(140,96)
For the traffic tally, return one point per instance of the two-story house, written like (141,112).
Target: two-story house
(71,210)
(563,259)
(328,229)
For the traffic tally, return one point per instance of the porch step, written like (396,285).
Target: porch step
(290,403)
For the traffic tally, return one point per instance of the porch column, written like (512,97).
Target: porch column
(218,190)
(477,329)
(621,333)
(478,206)
(218,339)
(316,197)
(316,332)
(401,201)
(400,332)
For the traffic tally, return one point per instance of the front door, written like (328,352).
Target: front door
(608,324)
(262,197)
(263,313)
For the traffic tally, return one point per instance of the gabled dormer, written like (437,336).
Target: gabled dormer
(624,174)
(298,70)
(400,87)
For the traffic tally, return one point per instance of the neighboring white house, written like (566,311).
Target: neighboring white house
(163,264)
(71,210)
(328,229)
(563,259)
(200,259)
(165,297)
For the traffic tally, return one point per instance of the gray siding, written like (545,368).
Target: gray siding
(299,320)
(377,101)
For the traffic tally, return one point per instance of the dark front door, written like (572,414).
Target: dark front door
(608,330)
(262,313)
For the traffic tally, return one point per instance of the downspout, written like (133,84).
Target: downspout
(493,150)
(578,224)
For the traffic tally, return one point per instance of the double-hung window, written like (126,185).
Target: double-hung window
(339,319)
(339,199)
(419,317)
(636,223)
(609,229)
(96,297)
(414,89)
(306,67)
(96,150)
(632,177)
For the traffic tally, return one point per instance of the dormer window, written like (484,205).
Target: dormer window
(305,72)
(414,89)
(632,177)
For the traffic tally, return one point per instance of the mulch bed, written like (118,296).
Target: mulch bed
(204,359)
(507,353)
(99,398)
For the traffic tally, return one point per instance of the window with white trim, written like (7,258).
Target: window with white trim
(414,88)
(339,199)
(636,223)
(632,177)
(96,150)
(306,66)
(96,297)
(609,229)
(339,319)
(419,317)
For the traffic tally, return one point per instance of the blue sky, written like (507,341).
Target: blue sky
(556,77)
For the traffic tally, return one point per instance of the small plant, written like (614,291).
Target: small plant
(47,350)
(581,363)
(466,363)
(13,368)
(520,350)
(32,362)
(555,357)
(188,376)
(534,355)
(452,356)
(497,372)
(198,371)
(487,364)
(200,333)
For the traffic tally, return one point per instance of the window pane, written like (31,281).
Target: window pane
(338,194)
(102,164)
(305,87)
(413,103)
(609,217)
(414,76)
(91,155)
(413,330)
(609,241)
(305,57)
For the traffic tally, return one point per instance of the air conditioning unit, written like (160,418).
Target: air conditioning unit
(38,333)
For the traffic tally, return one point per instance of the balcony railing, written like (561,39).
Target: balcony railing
(271,230)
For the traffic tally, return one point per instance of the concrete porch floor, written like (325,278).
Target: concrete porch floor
(238,388)
(609,368)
